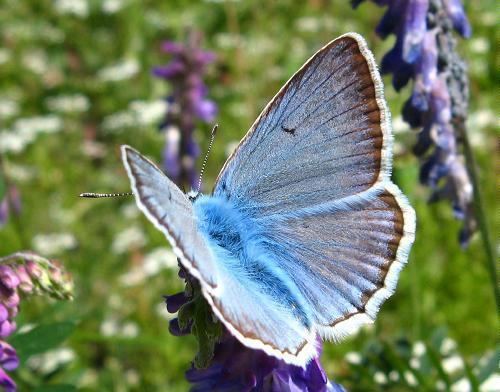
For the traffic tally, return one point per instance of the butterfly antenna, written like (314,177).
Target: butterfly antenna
(212,137)
(92,195)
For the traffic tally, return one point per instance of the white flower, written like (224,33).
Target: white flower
(419,349)
(155,261)
(78,8)
(25,130)
(307,24)
(380,378)
(158,259)
(147,113)
(119,71)
(130,238)
(132,377)
(452,364)
(393,375)
(12,141)
(4,55)
(36,61)
(68,103)
(462,385)
(353,358)
(8,108)
(399,125)
(109,327)
(479,45)
(53,243)
(414,363)
(52,360)
(130,210)
(112,327)
(112,6)
(410,378)
(448,346)
(118,121)
(129,330)
(491,384)
(138,113)
(227,40)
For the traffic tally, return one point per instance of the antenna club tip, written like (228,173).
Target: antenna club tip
(214,129)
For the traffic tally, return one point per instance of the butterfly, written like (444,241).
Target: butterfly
(304,233)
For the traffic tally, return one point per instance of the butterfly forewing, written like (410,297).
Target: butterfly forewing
(324,136)
(170,210)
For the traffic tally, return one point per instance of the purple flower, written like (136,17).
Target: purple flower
(187,104)
(229,365)
(23,272)
(425,53)
(235,367)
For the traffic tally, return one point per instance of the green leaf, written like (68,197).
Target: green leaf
(41,338)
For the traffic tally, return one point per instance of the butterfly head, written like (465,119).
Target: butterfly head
(193,195)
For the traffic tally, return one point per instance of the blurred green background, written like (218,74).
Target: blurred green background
(76,83)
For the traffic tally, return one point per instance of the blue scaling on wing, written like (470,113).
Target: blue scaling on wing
(256,300)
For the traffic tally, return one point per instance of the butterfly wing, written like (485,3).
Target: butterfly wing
(170,210)
(235,299)
(313,173)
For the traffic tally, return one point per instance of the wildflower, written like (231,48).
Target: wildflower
(24,273)
(187,102)
(223,363)
(425,53)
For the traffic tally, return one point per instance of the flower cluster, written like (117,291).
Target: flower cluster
(186,103)
(425,53)
(224,364)
(23,273)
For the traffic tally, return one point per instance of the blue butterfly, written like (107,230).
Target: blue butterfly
(304,233)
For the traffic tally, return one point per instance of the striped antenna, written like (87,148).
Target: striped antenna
(92,195)
(212,137)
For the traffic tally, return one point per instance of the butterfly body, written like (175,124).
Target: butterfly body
(304,233)
(244,250)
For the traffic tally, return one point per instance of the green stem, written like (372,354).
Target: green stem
(481,216)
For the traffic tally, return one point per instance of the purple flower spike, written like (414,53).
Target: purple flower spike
(236,367)
(456,12)
(8,357)
(415,28)
(6,382)
(425,53)
(187,104)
